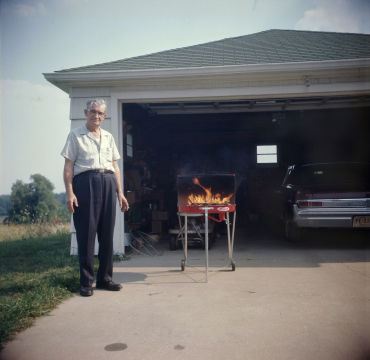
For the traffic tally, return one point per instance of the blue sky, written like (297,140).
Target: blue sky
(44,36)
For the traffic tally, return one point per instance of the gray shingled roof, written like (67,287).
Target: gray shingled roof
(266,47)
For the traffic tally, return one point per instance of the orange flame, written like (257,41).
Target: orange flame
(207,198)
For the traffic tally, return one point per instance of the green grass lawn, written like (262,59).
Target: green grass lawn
(36,274)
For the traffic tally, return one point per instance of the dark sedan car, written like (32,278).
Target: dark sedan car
(324,195)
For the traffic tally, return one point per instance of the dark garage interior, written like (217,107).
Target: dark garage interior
(169,139)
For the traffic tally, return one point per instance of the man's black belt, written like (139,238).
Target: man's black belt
(97,171)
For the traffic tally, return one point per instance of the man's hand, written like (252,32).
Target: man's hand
(72,200)
(123,204)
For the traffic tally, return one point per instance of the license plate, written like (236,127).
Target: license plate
(361,221)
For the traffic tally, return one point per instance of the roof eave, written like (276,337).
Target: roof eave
(66,80)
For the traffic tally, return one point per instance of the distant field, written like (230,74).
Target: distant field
(23,231)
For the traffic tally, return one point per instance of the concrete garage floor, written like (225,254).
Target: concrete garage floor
(284,301)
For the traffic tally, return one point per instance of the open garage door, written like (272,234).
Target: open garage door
(255,138)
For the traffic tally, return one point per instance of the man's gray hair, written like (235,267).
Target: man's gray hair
(97,102)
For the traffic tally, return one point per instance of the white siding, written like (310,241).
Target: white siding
(79,104)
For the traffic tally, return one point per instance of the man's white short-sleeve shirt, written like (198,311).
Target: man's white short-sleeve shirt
(88,153)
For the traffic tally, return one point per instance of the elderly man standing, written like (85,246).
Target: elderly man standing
(92,179)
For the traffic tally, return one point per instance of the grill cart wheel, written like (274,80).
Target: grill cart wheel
(182,265)
(233,265)
(172,242)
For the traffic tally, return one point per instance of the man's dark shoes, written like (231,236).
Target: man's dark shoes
(86,291)
(110,285)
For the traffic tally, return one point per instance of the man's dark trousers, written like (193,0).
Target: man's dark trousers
(96,214)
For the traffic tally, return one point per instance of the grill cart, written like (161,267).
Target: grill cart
(210,196)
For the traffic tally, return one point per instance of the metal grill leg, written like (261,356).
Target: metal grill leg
(228,234)
(206,245)
(186,240)
(232,237)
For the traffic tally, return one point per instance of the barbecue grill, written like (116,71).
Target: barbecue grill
(203,195)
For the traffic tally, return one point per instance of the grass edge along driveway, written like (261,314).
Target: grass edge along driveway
(36,275)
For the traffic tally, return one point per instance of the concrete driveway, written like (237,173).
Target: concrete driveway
(284,301)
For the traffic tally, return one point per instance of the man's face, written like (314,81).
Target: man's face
(93,117)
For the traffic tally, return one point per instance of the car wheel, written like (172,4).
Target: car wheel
(293,233)
(172,242)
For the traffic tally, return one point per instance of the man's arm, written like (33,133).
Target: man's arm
(68,176)
(123,204)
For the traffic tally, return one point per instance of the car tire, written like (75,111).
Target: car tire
(293,233)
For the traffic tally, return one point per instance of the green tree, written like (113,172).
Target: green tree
(43,205)
(61,198)
(19,201)
(33,202)
(62,213)
(4,204)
